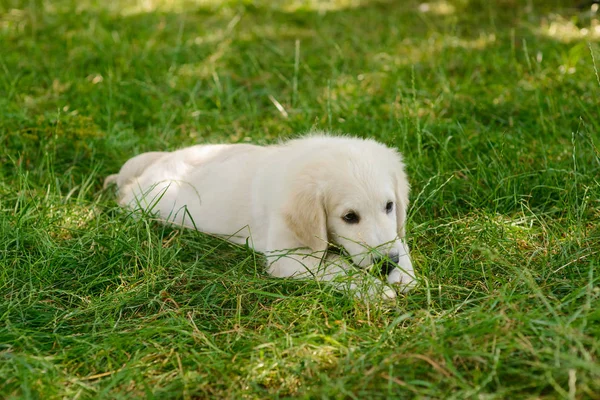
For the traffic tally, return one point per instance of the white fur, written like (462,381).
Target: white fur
(287,201)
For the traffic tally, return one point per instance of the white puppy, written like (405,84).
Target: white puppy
(292,202)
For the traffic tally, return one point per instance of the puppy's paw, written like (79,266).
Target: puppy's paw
(402,280)
(388,293)
(374,290)
(365,287)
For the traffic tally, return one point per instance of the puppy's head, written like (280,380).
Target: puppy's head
(354,195)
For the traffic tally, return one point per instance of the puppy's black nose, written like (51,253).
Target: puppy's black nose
(388,263)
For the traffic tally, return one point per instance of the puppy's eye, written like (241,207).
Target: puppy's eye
(351,218)
(389,207)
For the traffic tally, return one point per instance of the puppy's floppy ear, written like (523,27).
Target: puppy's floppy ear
(305,216)
(402,190)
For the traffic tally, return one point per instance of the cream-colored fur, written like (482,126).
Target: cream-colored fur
(287,201)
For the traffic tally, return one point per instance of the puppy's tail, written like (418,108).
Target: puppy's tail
(111,179)
(133,168)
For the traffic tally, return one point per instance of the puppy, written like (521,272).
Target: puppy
(293,202)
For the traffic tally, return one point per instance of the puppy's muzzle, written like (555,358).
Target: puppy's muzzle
(388,262)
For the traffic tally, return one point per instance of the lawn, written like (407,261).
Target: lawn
(495,106)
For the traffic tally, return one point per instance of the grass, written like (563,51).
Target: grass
(493,104)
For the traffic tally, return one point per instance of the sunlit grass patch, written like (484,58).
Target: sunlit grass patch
(568,30)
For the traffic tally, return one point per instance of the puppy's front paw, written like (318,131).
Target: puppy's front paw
(402,280)
(388,293)
(373,290)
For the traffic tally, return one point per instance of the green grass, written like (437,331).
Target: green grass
(495,106)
